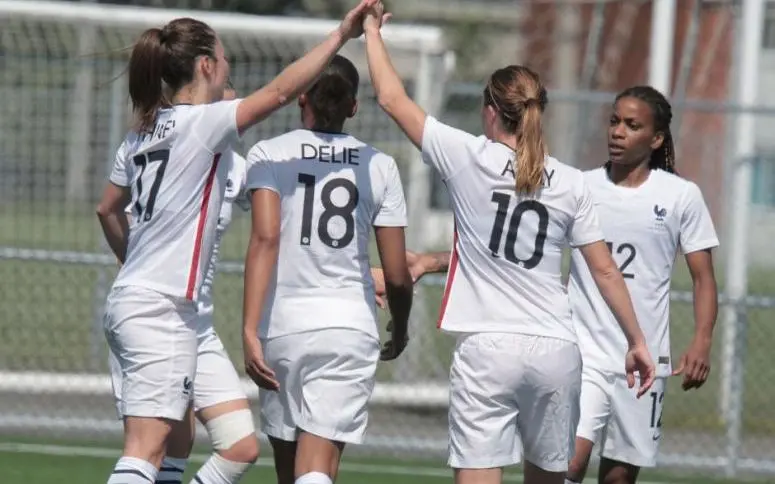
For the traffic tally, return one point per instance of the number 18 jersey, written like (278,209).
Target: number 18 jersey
(505,270)
(333,190)
(644,227)
(177,181)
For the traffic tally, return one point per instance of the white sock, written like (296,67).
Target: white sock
(171,471)
(218,470)
(568,481)
(314,478)
(131,470)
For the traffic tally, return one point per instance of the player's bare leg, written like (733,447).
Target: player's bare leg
(479,476)
(144,446)
(317,459)
(614,472)
(230,425)
(577,469)
(536,475)
(284,460)
(179,444)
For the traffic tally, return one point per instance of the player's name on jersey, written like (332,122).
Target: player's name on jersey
(548,174)
(329,154)
(159,131)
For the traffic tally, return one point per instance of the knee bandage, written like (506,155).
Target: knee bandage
(229,428)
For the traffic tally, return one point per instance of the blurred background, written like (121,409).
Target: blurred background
(64,111)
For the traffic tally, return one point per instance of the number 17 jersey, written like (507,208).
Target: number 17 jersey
(177,183)
(644,227)
(333,189)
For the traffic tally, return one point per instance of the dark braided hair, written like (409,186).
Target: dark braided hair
(663,158)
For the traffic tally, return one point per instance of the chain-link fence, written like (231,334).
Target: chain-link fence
(64,112)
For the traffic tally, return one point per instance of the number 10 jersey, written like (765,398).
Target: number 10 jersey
(333,189)
(644,228)
(505,269)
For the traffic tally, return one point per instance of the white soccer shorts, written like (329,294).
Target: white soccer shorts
(152,339)
(513,396)
(627,429)
(215,381)
(326,380)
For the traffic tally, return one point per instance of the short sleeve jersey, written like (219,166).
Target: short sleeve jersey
(505,268)
(178,178)
(644,228)
(333,189)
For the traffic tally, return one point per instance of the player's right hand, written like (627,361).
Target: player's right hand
(352,24)
(393,348)
(256,367)
(638,360)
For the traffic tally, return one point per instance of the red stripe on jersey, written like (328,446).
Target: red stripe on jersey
(201,228)
(450,278)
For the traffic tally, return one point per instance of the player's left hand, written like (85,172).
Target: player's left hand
(695,364)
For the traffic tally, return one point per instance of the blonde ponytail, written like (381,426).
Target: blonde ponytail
(531,149)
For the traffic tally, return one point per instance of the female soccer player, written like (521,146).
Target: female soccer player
(170,168)
(516,371)
(647,213)
(316,194)
(218,400)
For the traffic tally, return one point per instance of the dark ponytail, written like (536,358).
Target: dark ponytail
(145,78)
(332,98)
(662,158)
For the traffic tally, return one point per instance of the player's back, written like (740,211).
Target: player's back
(334,189)
(505,272)
(177,183)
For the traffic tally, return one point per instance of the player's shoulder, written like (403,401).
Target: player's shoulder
(671,183)
(559,173)
(596,176)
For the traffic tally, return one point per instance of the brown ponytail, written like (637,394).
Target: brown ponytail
(162,62)
(145,78)
(519,97)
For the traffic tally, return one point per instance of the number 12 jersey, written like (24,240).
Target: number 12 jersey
(644,228)
(333,190)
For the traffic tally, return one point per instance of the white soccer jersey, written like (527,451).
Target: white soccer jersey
(178,180)
(334,189)
(505,269)
(644,227)
(235,195)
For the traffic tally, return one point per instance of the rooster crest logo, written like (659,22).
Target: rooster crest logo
(660,213)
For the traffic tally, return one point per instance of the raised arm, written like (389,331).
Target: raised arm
(614,291)
(299,76)
(391,95)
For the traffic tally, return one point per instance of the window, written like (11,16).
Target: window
(763,180)
(768,36)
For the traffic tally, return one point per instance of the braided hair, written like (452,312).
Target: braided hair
(663,158)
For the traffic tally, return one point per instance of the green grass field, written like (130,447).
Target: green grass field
(29,463)
(49,310)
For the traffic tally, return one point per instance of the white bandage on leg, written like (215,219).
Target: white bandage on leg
(229,428)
